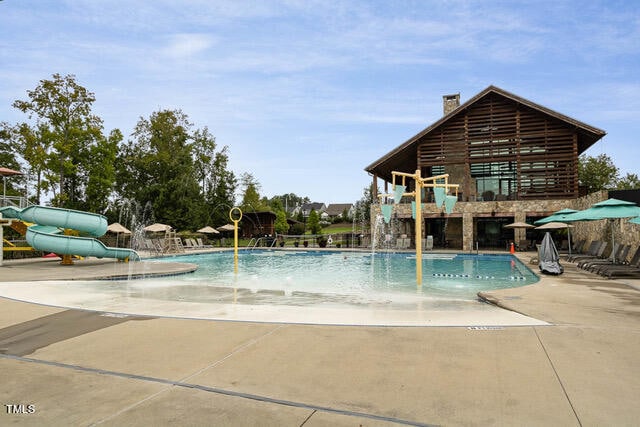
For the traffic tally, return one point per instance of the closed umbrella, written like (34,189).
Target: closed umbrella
(548,259)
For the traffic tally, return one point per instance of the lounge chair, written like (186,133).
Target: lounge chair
(624,264)
(596,249)
(623,271)
(188,244)
(614,254)
(611,271)
(617,257)
(525,245)
(202,245)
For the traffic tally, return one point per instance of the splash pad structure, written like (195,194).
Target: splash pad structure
(440,185)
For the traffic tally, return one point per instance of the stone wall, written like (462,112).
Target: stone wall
(519,210)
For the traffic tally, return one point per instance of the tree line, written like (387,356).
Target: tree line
(167,171)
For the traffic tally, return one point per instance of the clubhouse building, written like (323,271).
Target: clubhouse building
(514,161)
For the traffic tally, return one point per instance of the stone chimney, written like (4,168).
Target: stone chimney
(450,103)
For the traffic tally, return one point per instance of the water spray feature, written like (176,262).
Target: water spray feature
(440,185)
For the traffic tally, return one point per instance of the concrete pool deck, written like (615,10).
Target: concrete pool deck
(71,367)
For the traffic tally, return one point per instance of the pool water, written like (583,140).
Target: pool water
(328,287)
(446,276)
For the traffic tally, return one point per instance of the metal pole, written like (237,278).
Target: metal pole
(1,239)
(235,236)
(418,200)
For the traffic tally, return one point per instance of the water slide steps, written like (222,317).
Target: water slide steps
(46,235)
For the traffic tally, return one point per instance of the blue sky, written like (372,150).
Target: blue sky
(307,93)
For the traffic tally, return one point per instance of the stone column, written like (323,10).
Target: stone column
(467,231)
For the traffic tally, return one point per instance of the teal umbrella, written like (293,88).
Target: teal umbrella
(608,209)
(635,220)
(556,216)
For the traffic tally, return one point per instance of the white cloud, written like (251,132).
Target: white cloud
(187,45)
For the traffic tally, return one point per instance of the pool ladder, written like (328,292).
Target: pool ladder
(257,241)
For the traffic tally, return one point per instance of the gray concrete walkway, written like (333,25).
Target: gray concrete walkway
(65,367)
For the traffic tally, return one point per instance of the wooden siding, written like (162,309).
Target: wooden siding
(540,151)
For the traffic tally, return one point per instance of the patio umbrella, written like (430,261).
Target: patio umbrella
(557,226)
(157,228)
(635,220)
(209,230)
(556,216)
(515,225)
(118,228)
(519,225)
(548,256)
(226,227)
(608,209)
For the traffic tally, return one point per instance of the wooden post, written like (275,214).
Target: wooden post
(418,237)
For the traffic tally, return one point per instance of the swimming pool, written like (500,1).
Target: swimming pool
(452,276)
(321,287)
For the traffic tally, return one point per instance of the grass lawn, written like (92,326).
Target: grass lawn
(341,227)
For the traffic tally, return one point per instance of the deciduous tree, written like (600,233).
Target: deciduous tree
(60,139)
(597,173)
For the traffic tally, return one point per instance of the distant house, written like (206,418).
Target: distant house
(308,207)
(336,210)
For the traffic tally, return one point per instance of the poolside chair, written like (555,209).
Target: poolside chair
(623,271)
(596,249)
(617,256)
(585,260)
(611,271)
(202,245)
(623,263)
(188,244)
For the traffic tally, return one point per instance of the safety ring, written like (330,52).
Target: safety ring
(239,213)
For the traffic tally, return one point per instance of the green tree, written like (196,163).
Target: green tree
(289,201)
(217,183)
(313,223)
(251,194)
(628,182)
(157,166)
(281,225)
(102,172)
(597,173)
(222,183)
(362,209)
(9,160)
(60,141)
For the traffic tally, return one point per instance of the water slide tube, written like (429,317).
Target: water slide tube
(49,224)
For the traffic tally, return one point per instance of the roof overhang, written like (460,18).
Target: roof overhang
(404,157)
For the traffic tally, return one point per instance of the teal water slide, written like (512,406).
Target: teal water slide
(49,224)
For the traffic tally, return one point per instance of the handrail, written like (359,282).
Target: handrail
(15,201)
(258,241)
(254,243)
